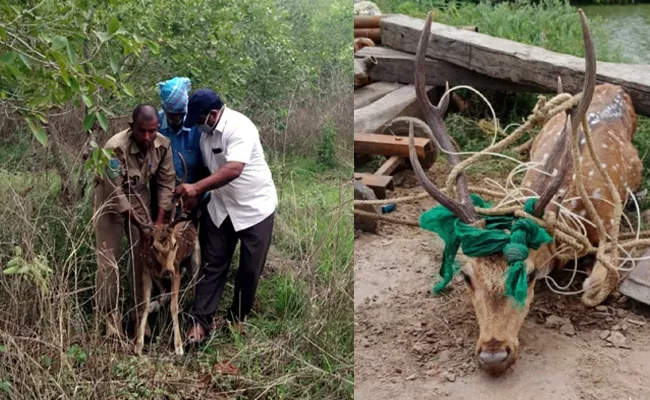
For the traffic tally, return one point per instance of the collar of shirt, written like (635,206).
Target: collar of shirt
(165,126)
(221,125)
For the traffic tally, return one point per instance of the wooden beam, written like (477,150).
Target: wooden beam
(398,103)
(390,166)
(389,145)
(398,66)
(378,183)
(513,61)
(375,91)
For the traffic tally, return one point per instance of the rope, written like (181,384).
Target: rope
(573,238)
(541,113)
(380,217)
(406,199)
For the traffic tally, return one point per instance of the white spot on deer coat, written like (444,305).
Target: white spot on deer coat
(596,194)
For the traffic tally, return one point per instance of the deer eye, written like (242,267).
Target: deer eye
(467,279)
(531,276)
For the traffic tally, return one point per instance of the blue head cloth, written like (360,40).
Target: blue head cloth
(174,94)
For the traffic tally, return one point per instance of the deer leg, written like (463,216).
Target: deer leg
(142,323)
(178,343)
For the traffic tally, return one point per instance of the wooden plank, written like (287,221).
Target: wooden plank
(509,60)
(398,66)
(378,183)
(398,103)
(390,166)
(389,145)
(375,91)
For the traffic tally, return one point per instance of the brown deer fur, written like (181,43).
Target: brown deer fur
(172,245)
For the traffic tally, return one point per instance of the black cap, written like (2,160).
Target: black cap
(201,102)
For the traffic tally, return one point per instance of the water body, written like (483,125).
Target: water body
(628,27)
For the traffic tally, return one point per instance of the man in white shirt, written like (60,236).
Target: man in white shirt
(242,207)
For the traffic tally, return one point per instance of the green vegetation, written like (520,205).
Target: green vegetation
(70,71)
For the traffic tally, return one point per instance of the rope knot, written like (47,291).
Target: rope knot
(515,252)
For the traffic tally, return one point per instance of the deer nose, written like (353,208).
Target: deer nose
(495,357)
(491,358)
(168,275)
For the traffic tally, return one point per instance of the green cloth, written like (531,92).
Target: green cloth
(524,234)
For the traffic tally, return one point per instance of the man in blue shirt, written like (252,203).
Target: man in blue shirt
(186,141)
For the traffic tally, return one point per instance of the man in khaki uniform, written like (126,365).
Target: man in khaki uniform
(141,154)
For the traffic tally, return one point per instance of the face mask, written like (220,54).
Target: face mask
(204,128)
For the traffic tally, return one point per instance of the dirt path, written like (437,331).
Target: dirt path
(412,345)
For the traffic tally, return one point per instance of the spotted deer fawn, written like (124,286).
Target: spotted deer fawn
(173,243)
(612,122)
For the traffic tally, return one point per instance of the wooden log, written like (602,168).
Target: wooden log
(372,33)
(398,66)
(368,94)
(390,166)
(516,62)
(366,21)
(388,145)
(377,183)
(400,102)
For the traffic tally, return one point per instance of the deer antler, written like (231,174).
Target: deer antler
(178,201)
(145,225)
(557,155)
(434,117)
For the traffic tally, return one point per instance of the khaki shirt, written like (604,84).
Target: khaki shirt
(118,192)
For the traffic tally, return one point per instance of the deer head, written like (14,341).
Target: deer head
(487,277)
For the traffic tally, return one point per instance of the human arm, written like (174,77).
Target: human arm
(223,176)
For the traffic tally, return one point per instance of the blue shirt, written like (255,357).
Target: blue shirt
(187,142)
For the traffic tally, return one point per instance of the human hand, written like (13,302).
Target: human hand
(187,191)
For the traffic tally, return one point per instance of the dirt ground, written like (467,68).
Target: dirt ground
(410,344)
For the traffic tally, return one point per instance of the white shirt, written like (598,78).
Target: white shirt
(251,197)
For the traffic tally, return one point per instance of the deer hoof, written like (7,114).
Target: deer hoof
(179,351)
(138,348)
(597,287)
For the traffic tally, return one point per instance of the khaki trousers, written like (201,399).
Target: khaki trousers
(109,231)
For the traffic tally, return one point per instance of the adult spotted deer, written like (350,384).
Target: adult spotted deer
(172,244)
(612,123)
